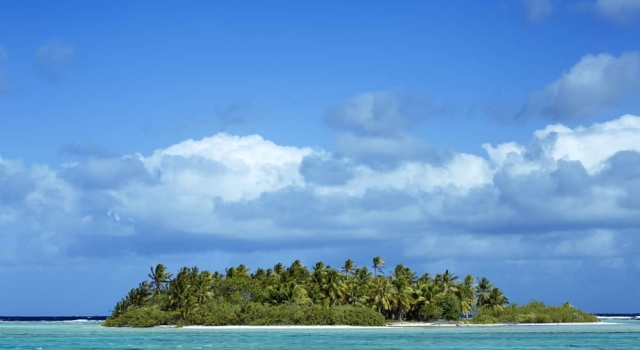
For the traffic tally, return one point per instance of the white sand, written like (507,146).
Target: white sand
(281,327)
(400,325)
(419,324)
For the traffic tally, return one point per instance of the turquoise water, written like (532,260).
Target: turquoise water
(90,335)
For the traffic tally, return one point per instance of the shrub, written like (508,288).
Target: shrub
(484,319)
(148,316)
(355,316)
(450,307)
(431,312)
(535,312)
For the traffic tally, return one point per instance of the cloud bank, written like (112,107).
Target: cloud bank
(566,202)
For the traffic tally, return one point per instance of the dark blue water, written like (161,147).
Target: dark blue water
(50,318)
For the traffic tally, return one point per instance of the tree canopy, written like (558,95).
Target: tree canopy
(320,295)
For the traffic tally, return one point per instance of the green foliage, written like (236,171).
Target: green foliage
(431,312)
(224,314)
(450,307)
(238,290)
(149,316)
(484,318)
(322,295)
(215,314)
(355,316)
(443,307)
(534,312)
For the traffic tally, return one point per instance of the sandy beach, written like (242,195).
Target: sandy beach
(399,325)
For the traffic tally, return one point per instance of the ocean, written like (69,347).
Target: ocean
(88,334)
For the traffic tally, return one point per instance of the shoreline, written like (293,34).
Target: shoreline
(391,326)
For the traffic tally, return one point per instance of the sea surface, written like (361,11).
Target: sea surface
(88,334)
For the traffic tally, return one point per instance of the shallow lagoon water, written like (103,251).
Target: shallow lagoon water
(90,335)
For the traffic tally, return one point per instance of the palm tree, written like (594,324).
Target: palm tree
(333,287)
(160,277)
(298,272)
(381,292)
(425,293)
(446,281)
(180,292)
(483,290)
(281,293)
(146,286)
(466,295)
(242,271)
(138,297)
(426,278)
(288,292)
(403,276)
(260,273)
(378,265)
(402,296)
(496,300)
(348,267)
(121,307)
(230,272)
(401,299)
(278,269)
(362,277)
(356,294)
(202,287)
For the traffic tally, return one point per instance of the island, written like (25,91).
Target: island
(322,295)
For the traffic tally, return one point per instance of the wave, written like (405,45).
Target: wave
(619,317)
(630,314)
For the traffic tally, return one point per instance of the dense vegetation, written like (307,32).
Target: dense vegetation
(295,295)
(534,312)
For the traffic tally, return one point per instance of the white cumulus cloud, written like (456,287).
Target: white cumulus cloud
(245,192)
(593,85)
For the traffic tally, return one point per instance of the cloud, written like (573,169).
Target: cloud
(84,150)
(233,114)
(387,152)
(249,188)
(595,84)
(538,9)
(106,173)
(623,168)
(323,169)
(621,11)
(5,83)
(565,202)
(375,128)
(382,114)
(52,59)
(590,146)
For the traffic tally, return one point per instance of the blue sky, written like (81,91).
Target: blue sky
(494,138)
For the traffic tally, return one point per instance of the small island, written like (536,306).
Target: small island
(322,295)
